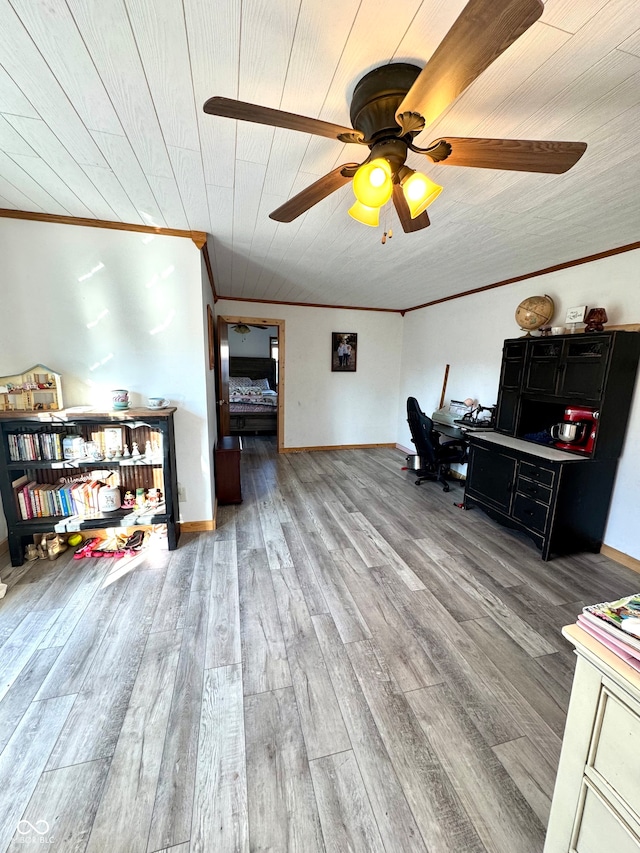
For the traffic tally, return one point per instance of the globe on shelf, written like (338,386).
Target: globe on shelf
(534,312)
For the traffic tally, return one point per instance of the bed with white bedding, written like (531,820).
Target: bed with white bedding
(253,398)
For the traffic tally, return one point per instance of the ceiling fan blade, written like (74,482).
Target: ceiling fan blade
(314,193)
(518,155)
(277,118)
(483,30)
(402,209)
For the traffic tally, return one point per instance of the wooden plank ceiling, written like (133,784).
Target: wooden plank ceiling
(101,117)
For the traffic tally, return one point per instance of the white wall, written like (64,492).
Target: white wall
(324,408)
(254,344)
(468,334)
(136,323)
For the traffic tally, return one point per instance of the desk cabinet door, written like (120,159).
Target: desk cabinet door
(491,476)
(513,356)
(583,368)
(543,366)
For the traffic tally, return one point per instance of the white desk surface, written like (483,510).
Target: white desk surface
(543,451)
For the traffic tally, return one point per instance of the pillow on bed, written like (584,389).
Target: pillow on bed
(246,391)
(262,383)
(239,382)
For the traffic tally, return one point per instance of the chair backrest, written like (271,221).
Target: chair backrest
(421,432)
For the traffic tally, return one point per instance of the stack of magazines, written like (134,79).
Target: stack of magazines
(616,624)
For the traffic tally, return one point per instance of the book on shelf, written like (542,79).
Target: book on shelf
(35,447)
(17,487)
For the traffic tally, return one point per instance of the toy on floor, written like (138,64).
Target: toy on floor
(113,545)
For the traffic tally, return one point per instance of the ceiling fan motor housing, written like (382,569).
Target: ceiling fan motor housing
(377,97)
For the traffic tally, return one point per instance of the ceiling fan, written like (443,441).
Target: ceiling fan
(245,328)
(395,102)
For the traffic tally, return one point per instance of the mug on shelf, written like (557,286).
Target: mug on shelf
(120,399)
(158,403)
(557,330)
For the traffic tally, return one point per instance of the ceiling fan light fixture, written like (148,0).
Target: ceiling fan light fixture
(367,215)
(372,184)
(419,191)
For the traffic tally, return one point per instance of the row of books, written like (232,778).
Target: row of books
(616,624)
(42,500)
(35,446)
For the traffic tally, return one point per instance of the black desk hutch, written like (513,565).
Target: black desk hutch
(559,498)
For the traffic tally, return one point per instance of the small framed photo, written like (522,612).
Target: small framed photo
(576,315)
(344,351)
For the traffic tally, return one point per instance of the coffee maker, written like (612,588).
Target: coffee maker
(577,430)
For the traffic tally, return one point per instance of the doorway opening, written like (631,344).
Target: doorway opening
(251,375)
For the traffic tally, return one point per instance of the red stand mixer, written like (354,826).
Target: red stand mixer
(578,429)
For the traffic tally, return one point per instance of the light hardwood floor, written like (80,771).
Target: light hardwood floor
(349,663)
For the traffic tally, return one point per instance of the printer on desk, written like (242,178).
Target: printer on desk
(458,414)
(454,411)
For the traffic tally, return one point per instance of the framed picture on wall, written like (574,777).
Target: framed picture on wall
(212,359)
(344,351)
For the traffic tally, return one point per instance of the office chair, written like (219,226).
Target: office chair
(435,457)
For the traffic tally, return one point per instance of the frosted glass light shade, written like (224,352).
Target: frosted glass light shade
(372,183)
(420,192)
(367,215)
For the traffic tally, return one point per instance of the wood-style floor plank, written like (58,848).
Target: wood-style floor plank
(473,675)
(406,657)
(202,569)
(174,600)
(396,822)
(307,579)
(24,758)
(497,809)
(479,588)
(67,800)
(21,644)
(220,814)
(21,693)
(264,656)
(531,772)
(345,811)
(76,605)
(173,807)
(434,801)
(74,661)
(283,814)
(95,721)
(523,673)
(346,615)
(320,717)
(223,630)
(124,815)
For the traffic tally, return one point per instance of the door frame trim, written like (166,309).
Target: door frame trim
(269,321)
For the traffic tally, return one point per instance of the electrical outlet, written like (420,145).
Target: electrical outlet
(182,493)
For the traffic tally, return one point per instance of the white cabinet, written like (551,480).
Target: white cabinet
(596,802)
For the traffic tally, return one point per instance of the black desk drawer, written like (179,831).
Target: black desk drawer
(534,490)
(532,514)
(535,472)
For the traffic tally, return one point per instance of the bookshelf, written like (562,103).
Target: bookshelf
(43,491)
